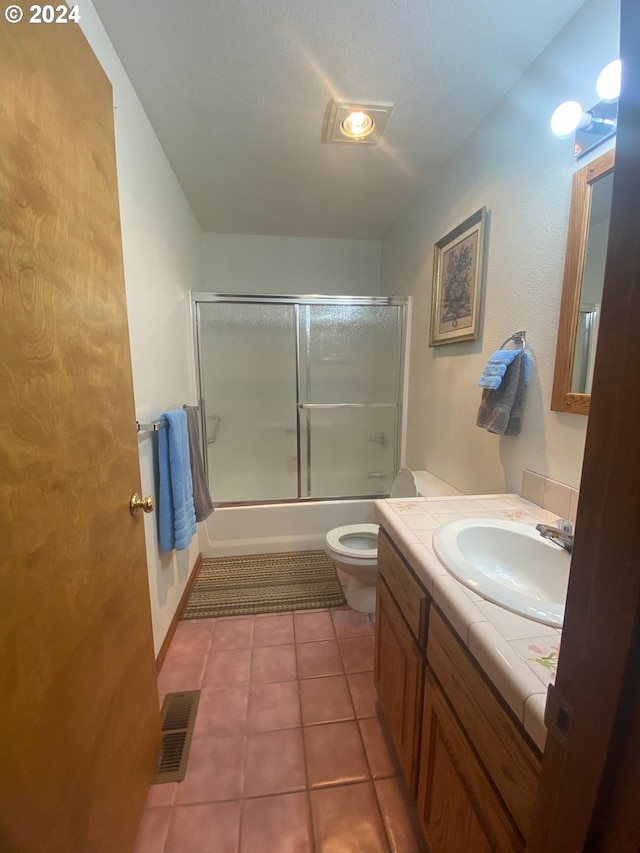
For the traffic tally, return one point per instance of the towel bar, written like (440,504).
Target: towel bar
(518,338)
(154,427)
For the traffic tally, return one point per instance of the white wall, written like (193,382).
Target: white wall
(522,173)
(239,263)
(162,246)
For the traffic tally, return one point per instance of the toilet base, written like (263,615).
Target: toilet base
(360,596)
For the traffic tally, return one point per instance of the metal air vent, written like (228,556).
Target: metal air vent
(177,717)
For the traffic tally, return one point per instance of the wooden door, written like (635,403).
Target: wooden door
(457,805)
(589,796)
(398,679)
(79,708)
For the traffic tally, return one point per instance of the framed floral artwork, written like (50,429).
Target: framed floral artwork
(458,269)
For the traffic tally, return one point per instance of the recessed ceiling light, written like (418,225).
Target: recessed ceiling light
(357,125)
(361,123)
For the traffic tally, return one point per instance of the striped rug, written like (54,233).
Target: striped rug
(264,583)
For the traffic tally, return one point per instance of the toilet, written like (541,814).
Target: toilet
(353,548)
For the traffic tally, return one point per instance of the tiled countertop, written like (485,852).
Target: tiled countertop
(518,655)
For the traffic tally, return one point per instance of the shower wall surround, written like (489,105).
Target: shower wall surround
(515,166)
(247,263)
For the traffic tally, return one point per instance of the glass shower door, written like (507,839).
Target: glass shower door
(247,354)
(350,369)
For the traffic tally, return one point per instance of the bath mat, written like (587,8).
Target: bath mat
(264,583)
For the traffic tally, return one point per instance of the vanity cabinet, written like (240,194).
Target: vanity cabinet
(398,676)
(399,667)
(471,768)
(457,805)
(510,761)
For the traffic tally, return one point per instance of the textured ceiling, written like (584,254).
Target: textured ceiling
(237,92)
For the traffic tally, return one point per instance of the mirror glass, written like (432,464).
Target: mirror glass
(591,288)
(585,259)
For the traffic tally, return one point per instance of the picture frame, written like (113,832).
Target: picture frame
(458,281)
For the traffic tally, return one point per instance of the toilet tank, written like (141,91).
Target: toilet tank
(412,484)
(432,487)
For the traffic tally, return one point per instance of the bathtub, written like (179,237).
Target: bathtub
(269,528)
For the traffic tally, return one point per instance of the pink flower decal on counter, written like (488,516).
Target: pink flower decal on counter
(548,658)
(406,507)
(513,514)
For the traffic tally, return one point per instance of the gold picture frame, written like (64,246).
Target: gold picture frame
(458,278)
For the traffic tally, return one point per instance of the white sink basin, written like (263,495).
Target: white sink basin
(507,563)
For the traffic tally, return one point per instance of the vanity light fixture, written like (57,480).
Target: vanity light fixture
(591,127)
(359,122)
(609,81)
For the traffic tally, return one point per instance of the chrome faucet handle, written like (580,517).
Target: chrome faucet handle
(565,525)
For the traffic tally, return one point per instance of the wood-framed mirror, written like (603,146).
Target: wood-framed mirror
(582,285)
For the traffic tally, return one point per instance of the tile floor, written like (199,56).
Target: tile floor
(289,754)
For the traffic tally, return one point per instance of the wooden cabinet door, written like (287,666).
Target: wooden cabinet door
(408,594)
(457,806)
(79,719)
(398,677)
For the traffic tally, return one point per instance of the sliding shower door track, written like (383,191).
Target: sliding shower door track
(303,500)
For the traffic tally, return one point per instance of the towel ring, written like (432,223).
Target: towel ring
(518,338)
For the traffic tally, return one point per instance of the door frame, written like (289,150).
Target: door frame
(589,794)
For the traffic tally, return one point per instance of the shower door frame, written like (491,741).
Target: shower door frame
(296,301)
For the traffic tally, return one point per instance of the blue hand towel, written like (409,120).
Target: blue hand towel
(501,408)
(176,513)
(497,365)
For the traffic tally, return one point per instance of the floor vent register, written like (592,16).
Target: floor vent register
(177,717)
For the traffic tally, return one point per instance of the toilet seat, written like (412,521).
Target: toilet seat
(347,546)
(338,540)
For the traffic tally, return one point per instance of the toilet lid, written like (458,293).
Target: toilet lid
(404,485)
(354,540)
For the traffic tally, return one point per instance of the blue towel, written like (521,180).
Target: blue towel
(176,513)
(501,408)
(497,365)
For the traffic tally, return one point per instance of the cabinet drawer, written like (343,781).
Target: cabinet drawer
(510,761)
(409,595)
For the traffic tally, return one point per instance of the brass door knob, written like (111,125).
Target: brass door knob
(138,503)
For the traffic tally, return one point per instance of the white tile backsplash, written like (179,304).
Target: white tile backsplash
(533,487)
(549,494)
(573,504)
(557,497)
